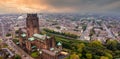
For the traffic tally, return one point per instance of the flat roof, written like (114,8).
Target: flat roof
(49,52)
(31,39)
(39,36)
(23,35)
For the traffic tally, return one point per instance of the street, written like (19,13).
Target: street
(13,46)
(18,50)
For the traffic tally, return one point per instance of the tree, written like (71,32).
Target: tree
(80,47)
(92,32)
(17,31)
(84,27)
(8,34)
(96,44)
(89,55)
(117,54)
(15,40)
(118,46)
(17,57)
(34,54)
(109,55)
(58,27)
(96,57)
(119,33)
(80,55)
(104,57)
(112,44)
(74,56)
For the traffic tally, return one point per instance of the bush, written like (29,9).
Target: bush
(17,56)
(104,57)
(34,54)
(89,56)
(58,33)
(8,34)
(15,40)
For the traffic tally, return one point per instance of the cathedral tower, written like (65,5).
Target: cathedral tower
(32,24)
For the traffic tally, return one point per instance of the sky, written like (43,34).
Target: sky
(59,6)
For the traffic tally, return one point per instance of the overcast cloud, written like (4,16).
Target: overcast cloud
(26,6)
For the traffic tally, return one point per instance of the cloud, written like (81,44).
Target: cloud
(26,6)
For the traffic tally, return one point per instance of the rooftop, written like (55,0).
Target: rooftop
(17,43)
(23,35)
(31,39)
(51,49)
(59,44)
(33,47)
(42,37)
(49,52)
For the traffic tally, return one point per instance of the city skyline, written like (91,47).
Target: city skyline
(59,6)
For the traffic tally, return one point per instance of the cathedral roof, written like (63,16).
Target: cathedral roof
(49,52)
(17,43)
(31,39)
(33,47)
(59,44)
(42,37)
(23,35)
(51,49)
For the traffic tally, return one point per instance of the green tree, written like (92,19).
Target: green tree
(8,34)
(109,55)
(58,27)
(80,47)
(74,56)
(34,54)
(118,46)
(117,54)
(96,44)
(104,57)
(96,57)
(92,32)
(84,27)
(88,55)
(112,44)
(17,57)
(17,31)
(80,55)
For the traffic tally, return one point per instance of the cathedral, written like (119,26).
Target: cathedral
(31,38)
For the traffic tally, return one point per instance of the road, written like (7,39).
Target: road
(18,50)
(82,37)
(11,54)
(109,32)
(3,32)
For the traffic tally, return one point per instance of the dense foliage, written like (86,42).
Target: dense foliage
(61,33)
(34,54)
(84,27)
(90,50)
(17,56)
(8,34)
